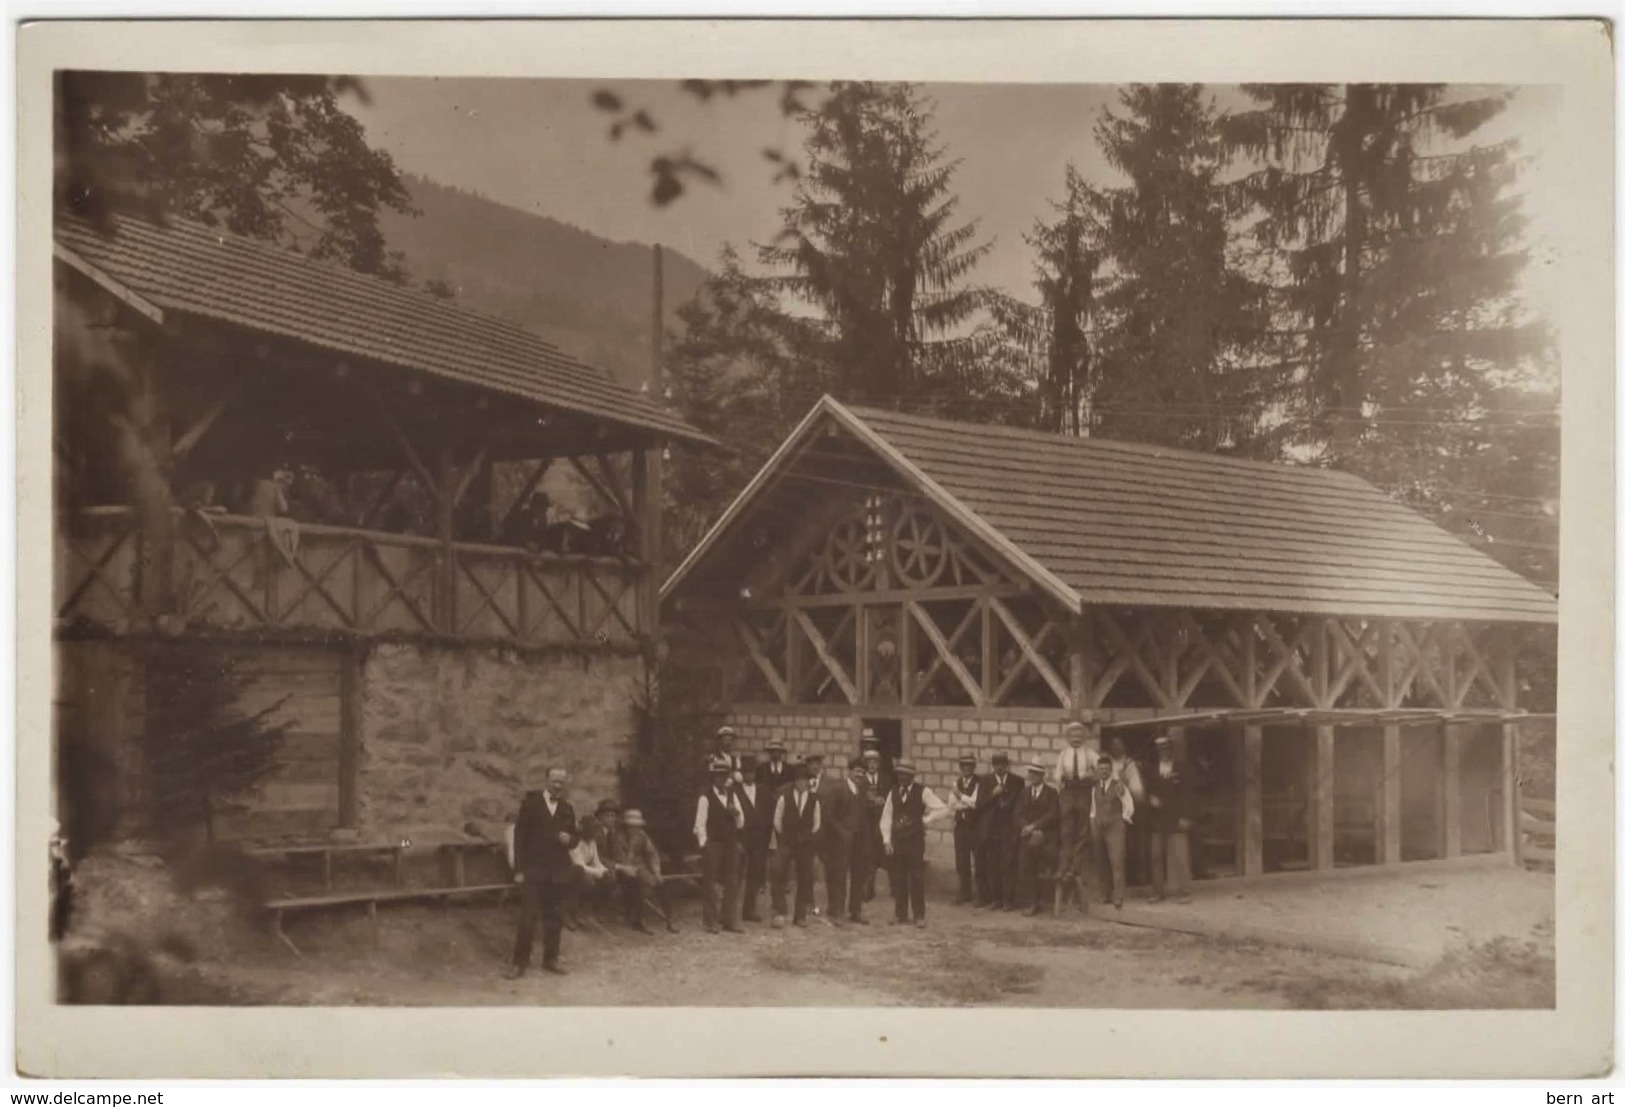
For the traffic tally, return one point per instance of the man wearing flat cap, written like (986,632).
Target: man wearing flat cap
(910,808)
(719,822)
(964,802)
(999,843)
(1074,780)
(1038,814)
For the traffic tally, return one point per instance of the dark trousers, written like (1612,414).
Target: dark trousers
(846,875)
(754,858)
(874,859)
(1109,841)
(543,897)
(997,862)
(965,862)
(1009,868)
(635,888)
(1034,859)
(802,860)
(1171,858)
(719,864)
(908,883)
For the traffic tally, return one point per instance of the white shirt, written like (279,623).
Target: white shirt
(552,804)
(585,854)
(1079,763)
(1128,799)
(934,810)
(800,799)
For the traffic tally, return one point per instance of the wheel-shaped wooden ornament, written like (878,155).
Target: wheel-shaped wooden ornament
(919,549)
(844,556)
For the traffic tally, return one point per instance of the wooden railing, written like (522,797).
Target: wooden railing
(240,572)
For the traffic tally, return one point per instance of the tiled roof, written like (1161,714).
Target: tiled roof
(192,269)
(1103,522)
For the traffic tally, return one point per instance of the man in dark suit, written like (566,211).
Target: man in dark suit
(967,826)
(777,774)
(756,800)
(1168,794)
(544,833)
(1038,817)
(844,846)
(998,798)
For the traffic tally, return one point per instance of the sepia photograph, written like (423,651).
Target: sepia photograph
(804,541)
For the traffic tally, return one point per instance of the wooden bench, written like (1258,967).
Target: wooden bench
(372,898)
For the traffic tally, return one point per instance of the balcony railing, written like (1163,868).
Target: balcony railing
(242,572)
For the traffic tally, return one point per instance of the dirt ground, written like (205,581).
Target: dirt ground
(424,956)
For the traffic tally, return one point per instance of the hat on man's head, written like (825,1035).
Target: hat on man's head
(812,756)
(855,762)
(868,738)
(605,805)
(726,731)
(1001,759)
(1034,767)
(774,745)
(1074,727)
(1165,739)
(903,767)
(633,817)
(719,765)
(968,757)
(870,752)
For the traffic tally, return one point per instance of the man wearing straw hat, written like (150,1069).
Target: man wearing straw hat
(777,774)
(725,751)
(1038,812)
(637,867)
(910,808)
(718,824)
(1169,797)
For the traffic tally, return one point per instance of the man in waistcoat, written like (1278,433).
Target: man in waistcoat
(879,789)
(963,801)
(1038,814)
(544,833)
(1168,793)
(910,808)
(797,824)
(777,774)
(845,810)
(756,800)
(718,823)
(1074,779)
(725,751)
(1000,790)
(1111,811)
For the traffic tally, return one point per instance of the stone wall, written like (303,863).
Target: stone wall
(448,736)
(803,732)
(934,745)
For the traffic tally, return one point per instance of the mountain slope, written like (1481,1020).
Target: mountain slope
(591,296)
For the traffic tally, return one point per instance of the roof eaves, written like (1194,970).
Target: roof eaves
(117,289)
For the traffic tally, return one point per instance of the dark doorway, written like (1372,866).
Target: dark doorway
(889,733)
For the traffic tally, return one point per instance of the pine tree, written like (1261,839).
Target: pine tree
(1066,269)
(871,241)
(1179,323)
(1399,247)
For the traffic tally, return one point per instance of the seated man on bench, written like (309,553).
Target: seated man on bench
(636,862)
(590,876)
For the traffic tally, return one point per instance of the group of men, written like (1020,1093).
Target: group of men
(763,824)
(561,862)
(768,823)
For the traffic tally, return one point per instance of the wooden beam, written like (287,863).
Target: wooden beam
(612,480)
(525,490)
(466,479)
(596,482)
(945,651)
(647,506)
(1322,794)
(1077,659)
(446,532)
(1129,652)
(1512,840)
(1029,650)
(405,443)
(194,433)
(1453,740)
(899,595)
(990,656)
(753,647)
(1389,841)
(831,663)
(1252,800)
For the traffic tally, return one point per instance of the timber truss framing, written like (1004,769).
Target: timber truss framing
(894,607)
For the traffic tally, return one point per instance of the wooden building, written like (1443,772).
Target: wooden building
(424,662)
(1343,674)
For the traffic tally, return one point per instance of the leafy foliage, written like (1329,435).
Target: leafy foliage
(269,156)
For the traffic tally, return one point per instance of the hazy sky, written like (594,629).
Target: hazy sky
(540,146)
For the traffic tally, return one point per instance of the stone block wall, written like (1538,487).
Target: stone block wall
(935,744)
(450,736)
(802,732)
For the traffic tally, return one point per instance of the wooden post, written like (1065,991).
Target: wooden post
(349,737)
(646,495)
(1390,844)
(860,638)
(1322,792)
(1453,740)
(446,613)
(990,656)
(1511,805)
(1076,659)
(1252,800)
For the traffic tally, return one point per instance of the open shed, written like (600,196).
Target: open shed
(1342,673)
(425,649)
